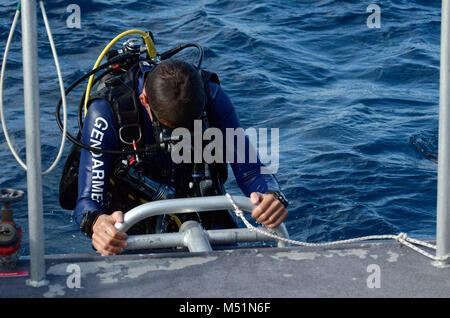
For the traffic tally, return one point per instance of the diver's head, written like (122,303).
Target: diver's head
(174,94)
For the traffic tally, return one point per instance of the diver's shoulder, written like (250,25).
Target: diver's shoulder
(99,108)
(216,91)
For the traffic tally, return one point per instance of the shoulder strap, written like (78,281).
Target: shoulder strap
(219,169)
(208,77)
(121,92)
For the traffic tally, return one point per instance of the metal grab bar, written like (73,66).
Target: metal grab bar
(189,205)
(179,239)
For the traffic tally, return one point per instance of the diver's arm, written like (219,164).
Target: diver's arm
(94,173)
(94,169)
(249,175)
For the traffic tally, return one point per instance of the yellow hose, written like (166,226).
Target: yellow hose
(173,216)
(150,49)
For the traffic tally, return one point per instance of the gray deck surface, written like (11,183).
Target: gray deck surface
(245,273)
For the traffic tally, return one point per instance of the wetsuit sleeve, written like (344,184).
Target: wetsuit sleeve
(95,168)
(247,167)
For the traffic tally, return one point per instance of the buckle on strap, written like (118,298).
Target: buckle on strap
(123,130)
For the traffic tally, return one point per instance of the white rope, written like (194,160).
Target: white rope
(402,238)
(61,84)
(61,87)
(2,75)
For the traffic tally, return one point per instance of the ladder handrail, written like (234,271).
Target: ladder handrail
(188,205)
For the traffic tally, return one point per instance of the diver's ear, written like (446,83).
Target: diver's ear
(143,98)
(144,101)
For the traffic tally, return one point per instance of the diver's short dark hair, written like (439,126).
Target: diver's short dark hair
(175,92)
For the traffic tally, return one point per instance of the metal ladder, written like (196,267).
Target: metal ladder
(192,235)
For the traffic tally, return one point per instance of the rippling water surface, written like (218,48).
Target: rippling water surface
(357,107)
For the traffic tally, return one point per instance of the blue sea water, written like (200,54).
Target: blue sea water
(357,107)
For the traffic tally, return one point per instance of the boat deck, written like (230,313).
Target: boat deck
(377,269)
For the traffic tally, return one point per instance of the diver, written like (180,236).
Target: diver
(152,100)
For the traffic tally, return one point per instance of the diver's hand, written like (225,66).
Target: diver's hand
(106,239)
(269,212)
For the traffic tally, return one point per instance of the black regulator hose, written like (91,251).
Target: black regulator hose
(175,50)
